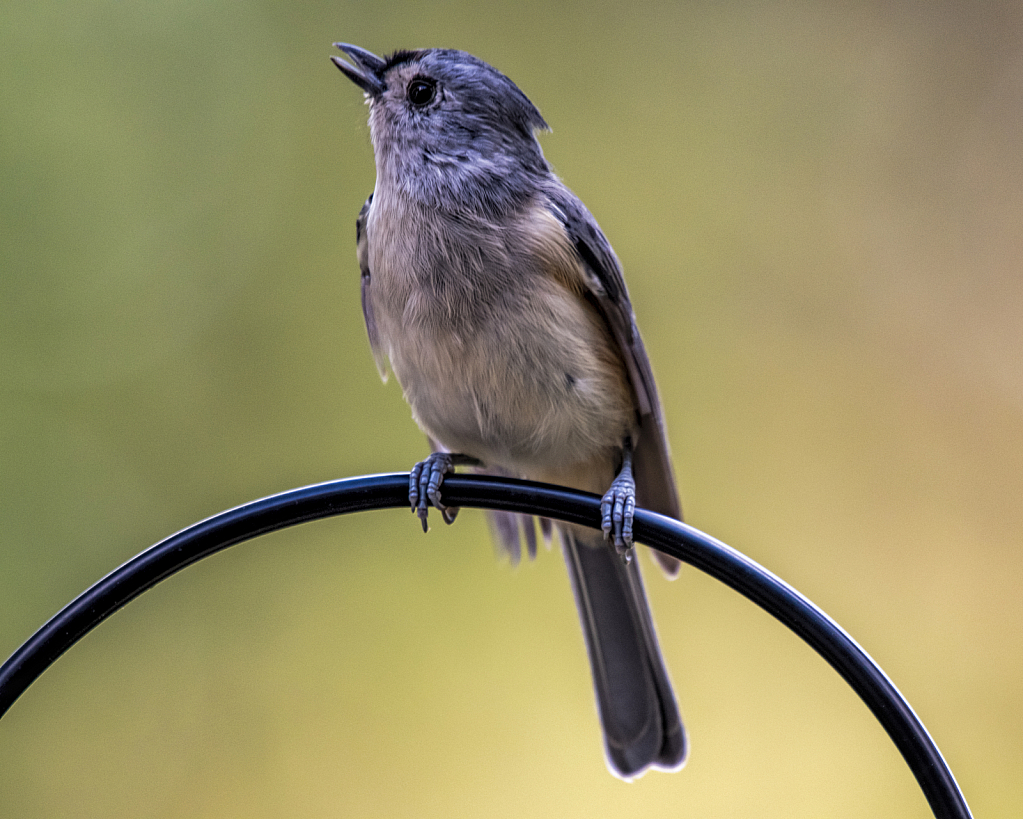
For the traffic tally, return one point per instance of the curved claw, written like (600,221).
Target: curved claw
(424,484)
(617,510)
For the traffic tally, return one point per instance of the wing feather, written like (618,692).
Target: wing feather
(655,476)
(362,250)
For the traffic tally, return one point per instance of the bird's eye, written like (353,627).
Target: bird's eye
(421,92)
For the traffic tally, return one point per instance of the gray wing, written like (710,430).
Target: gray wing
(362,250)
(655,477)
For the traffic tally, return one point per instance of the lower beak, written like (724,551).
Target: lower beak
(366,71)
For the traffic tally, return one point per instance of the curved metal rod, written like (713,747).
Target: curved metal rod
(382,491)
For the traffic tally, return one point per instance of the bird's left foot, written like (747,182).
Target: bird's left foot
(618,507)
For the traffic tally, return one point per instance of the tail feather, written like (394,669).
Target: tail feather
(638,711)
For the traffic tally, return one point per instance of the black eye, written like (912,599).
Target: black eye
(421,92)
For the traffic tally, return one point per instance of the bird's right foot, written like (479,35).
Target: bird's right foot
(424,484)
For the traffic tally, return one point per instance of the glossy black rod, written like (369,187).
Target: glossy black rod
(382,491)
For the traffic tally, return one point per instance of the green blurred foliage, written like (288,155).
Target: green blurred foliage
(818,209)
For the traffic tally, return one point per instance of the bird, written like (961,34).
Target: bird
(493,296)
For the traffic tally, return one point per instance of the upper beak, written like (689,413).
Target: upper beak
(366,73)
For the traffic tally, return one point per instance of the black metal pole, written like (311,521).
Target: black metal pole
(382,491)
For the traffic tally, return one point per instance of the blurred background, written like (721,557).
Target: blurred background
(819,208)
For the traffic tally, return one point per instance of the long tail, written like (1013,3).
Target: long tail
(638,711)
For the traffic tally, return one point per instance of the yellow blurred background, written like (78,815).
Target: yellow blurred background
(819,208)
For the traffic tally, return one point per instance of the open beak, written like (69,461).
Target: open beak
(366,71)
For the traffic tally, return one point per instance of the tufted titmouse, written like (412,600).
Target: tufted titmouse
(500,306)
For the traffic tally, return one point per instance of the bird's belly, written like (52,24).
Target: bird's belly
(537,385)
